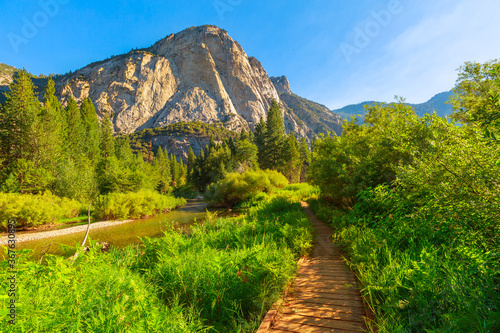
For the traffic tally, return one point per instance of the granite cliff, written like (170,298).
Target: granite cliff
(199,74)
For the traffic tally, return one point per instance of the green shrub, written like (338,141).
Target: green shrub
(235,188)
(134,205)
(32,210)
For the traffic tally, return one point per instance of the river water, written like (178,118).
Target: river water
(123,234)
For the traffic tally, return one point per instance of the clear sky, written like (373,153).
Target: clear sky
(335,52)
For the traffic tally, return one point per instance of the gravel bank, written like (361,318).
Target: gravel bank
(47,234)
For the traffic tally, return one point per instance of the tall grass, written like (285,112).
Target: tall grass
(420,273)
(222,276)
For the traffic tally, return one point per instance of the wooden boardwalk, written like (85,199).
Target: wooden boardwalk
(325,296)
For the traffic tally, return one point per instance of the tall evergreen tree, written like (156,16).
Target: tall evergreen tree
(260,140)
(190,164)
(274,143)
(108,169)
(163,170)
(91,125)
(18,121)
(50,126)
(74,141)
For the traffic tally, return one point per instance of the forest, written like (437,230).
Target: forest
(414,202)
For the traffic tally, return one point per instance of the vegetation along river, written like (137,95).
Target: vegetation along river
(117,234)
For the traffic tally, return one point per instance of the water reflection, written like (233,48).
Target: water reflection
(123,234)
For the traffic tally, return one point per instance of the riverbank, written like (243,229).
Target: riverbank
(61,232)
(193,205)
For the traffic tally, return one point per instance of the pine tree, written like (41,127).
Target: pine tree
(260,140)
(108,168)
(162,166)
(74,138)
(175,171)
(18,122)
(91,125)
(50,127)
(271,156)
(191,162)
(107,140)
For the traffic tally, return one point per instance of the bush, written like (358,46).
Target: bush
(235,188)
(134,205)
(32,210)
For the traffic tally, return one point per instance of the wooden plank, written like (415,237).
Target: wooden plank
(327,314)
(326,302)
(324,297)
(323,322)
(296,327)
(321,307)
(330,295)
(324,284)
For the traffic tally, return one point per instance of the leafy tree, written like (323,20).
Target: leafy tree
(305,153)
(245,155)
(476,98)
(366,155)
(292,163)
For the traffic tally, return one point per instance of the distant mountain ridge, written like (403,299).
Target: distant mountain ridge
(436,103)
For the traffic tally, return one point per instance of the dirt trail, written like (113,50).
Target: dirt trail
(325,297)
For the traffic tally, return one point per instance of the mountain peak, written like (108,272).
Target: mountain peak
(281,84)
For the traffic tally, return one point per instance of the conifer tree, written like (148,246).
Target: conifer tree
(175,171)
(190,164)
(107,140)
(108,167)
(91,125)
(163,170)
(272,141)
(51,118)
(74,141)
(18,121)
(260,140)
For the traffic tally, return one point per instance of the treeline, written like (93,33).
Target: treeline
(69,151)
(268,148)
(416,203)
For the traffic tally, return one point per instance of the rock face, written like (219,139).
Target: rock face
(199,74)
(319,118)
(281,84)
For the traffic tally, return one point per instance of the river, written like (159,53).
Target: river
(122,234)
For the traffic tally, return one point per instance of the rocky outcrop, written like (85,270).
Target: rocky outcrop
(281,84)
(198,74)
(317,117)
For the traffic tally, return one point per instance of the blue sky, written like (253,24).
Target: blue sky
(335,52)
